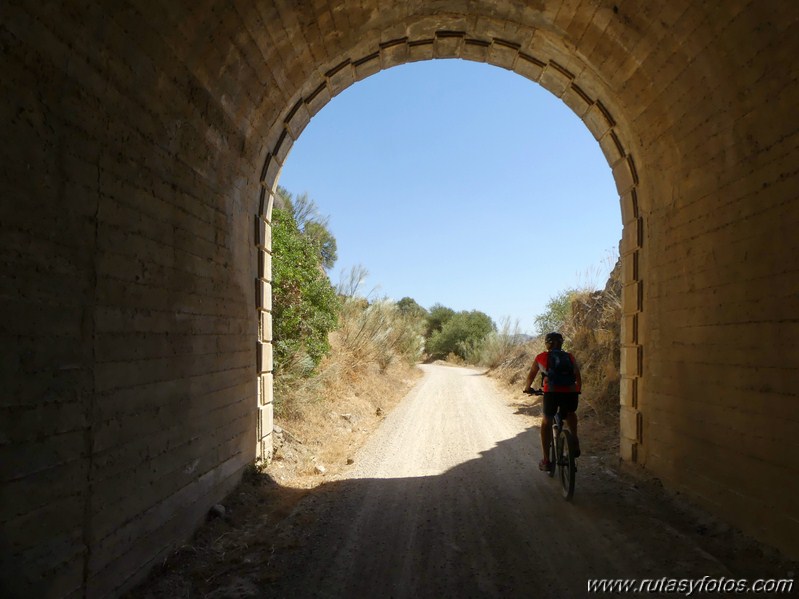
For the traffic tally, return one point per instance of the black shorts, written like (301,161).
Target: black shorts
(567,402)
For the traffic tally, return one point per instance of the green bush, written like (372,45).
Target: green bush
(304,303)
(311,224)
(437,318)
(461,334)
(557,313)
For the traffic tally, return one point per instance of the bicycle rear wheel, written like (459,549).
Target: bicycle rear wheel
(566,463)
(553,457)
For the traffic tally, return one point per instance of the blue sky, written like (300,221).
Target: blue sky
(463,184)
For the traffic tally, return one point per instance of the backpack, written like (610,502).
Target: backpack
(560,369)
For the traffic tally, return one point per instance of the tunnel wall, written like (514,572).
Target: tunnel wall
(128,296)
(143,144)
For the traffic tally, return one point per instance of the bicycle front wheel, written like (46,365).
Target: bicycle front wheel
(566,463)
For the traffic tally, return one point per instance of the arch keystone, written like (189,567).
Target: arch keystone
(448,44)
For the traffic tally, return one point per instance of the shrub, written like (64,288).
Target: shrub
(497,346)
(558,310)
(461,334)
(436,319)
(304,303)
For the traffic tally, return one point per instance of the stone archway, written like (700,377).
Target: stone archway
(509,55)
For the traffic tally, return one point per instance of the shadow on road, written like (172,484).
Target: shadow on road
(493,526)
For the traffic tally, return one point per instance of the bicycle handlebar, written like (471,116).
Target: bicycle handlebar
(534,392)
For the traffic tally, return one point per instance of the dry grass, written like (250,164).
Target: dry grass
(313,445)
(319,438)
(592,334)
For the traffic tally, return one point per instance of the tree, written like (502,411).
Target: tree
(313,225)
(408,307)
(557,311)
(324,242)
(437,318)
(304,303)
(461,334)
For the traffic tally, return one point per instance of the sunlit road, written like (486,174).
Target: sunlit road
(445,500)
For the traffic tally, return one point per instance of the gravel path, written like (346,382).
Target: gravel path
(445,500)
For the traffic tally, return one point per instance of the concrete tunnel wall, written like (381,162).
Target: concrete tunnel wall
(143,145)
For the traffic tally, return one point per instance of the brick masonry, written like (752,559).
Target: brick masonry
(144,142)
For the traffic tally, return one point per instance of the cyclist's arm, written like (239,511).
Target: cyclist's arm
(531,376)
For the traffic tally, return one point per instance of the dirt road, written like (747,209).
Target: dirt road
(446,500)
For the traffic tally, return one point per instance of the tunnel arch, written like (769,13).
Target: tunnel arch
(144,142)
(541,69)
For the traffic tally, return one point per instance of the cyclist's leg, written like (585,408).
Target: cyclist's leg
(571,420)
(550,406)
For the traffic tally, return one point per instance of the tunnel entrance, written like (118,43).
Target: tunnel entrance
(556,79)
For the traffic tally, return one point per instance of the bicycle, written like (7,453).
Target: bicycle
(560,452)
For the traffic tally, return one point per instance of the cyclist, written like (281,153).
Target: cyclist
(555,396)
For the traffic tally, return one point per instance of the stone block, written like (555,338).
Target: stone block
(267,389)
(448,44)
(629,267)
(576,99)
(421,50)
(612,149)
(629,206)
(528,66)
(264,295)
(631,361)
(475,50)
(598,121)
(502,54)
(263,234)
(367,66)
(296,121)
(266,326)
(628,422)
(624,176)
(265,421)
(265,266)
(628,450)
(271,171)
(628,392)
(632,298)
(555,79)
(632,236)
(264,357)
(286,141)
(266,212)
(340,78)
(318,98)
(394,52)
(629,329)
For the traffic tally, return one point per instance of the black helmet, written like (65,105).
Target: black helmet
(555,339)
